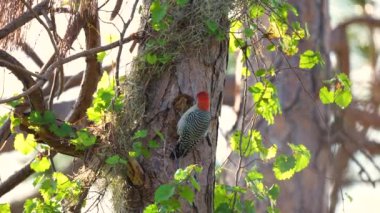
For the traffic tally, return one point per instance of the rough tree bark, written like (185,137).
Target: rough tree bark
(196,68)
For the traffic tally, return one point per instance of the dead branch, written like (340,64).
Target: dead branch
(46,75)
(31,53)
(116,9)
(23,19)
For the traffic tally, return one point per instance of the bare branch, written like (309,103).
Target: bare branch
(11,67)
(23,19)
(122,34)
(133,36)
(116,9)
(35,97)
(32,54)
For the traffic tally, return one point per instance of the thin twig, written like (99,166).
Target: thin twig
(125,27)
(41,82)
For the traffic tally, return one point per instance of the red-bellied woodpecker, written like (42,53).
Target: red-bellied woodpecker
(193,125)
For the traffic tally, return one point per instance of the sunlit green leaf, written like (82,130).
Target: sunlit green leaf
(100,56)
(302,156)
(245,72)
(326,96)
(40,164)
(25,145)
(5,208)
(83,140)
(253,174)
(309,59)
(343,98)
(284,167)
(152,208)
(256,11)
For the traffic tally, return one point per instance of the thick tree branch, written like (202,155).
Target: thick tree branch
(15,179)
(93,71)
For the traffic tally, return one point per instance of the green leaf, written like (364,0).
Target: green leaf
(152,208)
(83,140)
(269,153)
(45,118)
(345,80)
(253,174)
(64,130)
(186,192)
(15,122)
(140,134)
(5,208)
(15,102)
(164,192)
(302,156)
(309,59)
(343,98)
(212,26)
(100,56)
(182,3)
(137,147)
(195,183)
(260,73)
(181,175)
(274,192)
(114,159)
(40,165)
(256,11)
(222,198)
(271,209)
(271,48)
(153,144)
(245,72)
(248,32)
(158,10)
(25,145)
(151,58)
(284,167)
(267,102)
(242,144)
(326,96)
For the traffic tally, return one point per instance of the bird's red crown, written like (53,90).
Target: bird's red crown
(203,101)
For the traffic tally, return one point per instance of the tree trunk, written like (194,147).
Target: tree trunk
(301,121)
(164,97)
